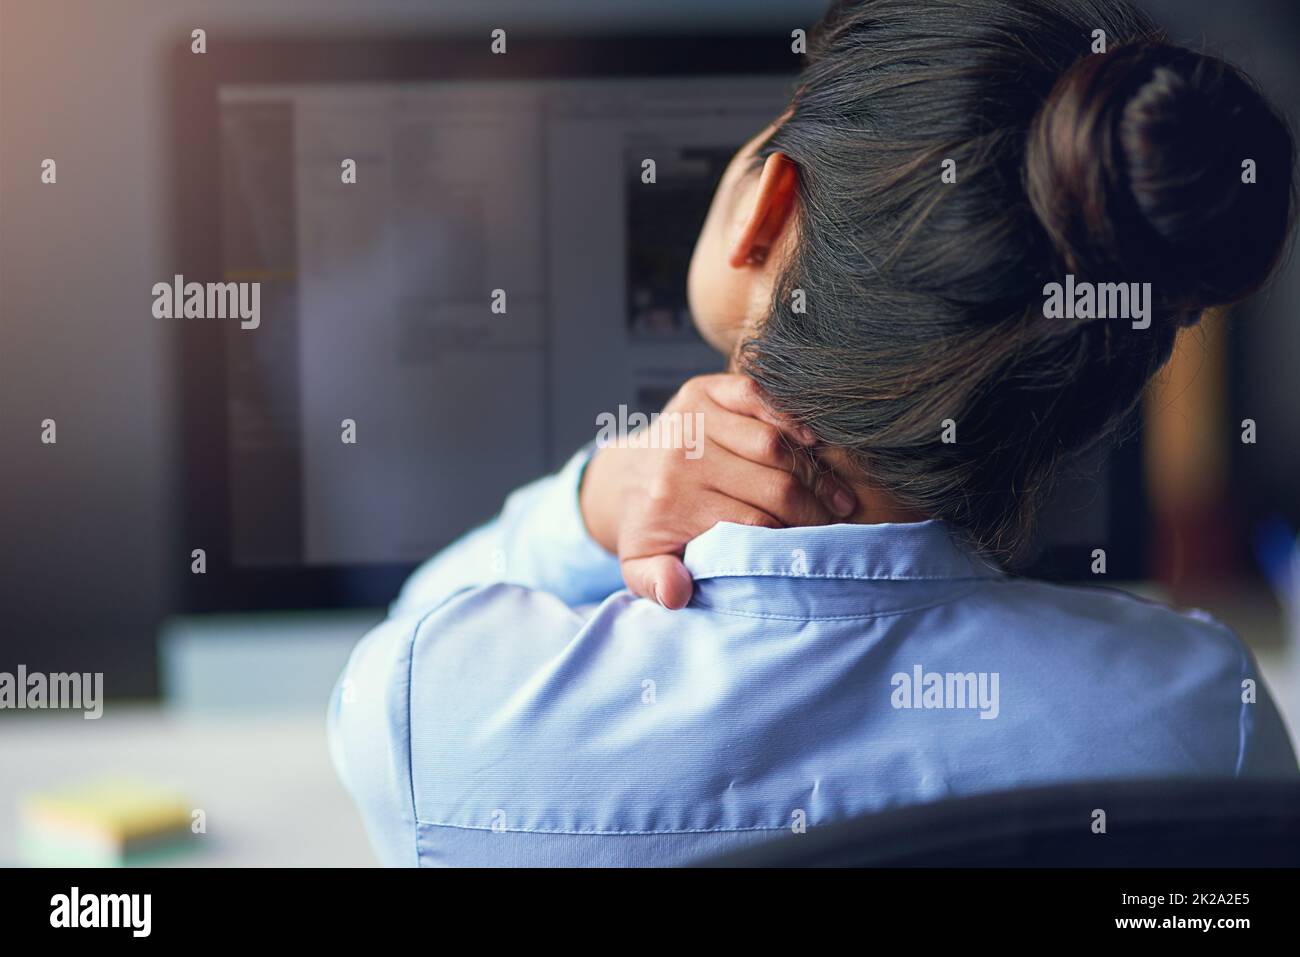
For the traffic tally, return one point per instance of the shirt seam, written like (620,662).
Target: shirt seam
(627,832)
(410,719)
(1243,716)
(880,614)
(750,573)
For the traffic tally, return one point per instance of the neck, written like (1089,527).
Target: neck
(876,505)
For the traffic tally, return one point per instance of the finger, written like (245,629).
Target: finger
(838,496)
(781,494)
(750,438)
(726,507)
(775,491)
(654,570)
(647,537)
(660,578)
(764,444)
(742,395)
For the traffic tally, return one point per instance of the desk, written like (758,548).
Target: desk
(266,782)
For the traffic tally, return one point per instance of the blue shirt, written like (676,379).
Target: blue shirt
(519,707)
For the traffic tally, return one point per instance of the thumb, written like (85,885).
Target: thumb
(660,578)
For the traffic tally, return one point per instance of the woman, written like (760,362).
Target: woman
(817,622)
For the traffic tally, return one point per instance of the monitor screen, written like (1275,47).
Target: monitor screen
(507,265)
(465,266)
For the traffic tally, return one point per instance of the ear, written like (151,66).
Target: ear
(774,200)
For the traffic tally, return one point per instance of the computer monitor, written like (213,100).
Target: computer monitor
(504,267)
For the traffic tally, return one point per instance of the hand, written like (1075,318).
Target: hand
(749,466)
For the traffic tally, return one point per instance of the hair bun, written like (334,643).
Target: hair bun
(1135,168)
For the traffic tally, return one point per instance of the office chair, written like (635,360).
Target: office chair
(1159,823)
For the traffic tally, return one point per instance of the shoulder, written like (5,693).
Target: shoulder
(1178,687)
(1112,620)
(411,687)
(477,638)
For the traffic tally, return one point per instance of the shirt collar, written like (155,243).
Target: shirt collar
(914,551)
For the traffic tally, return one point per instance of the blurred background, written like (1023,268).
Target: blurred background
(173,437)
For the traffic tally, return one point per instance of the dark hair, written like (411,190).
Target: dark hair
(925,300)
